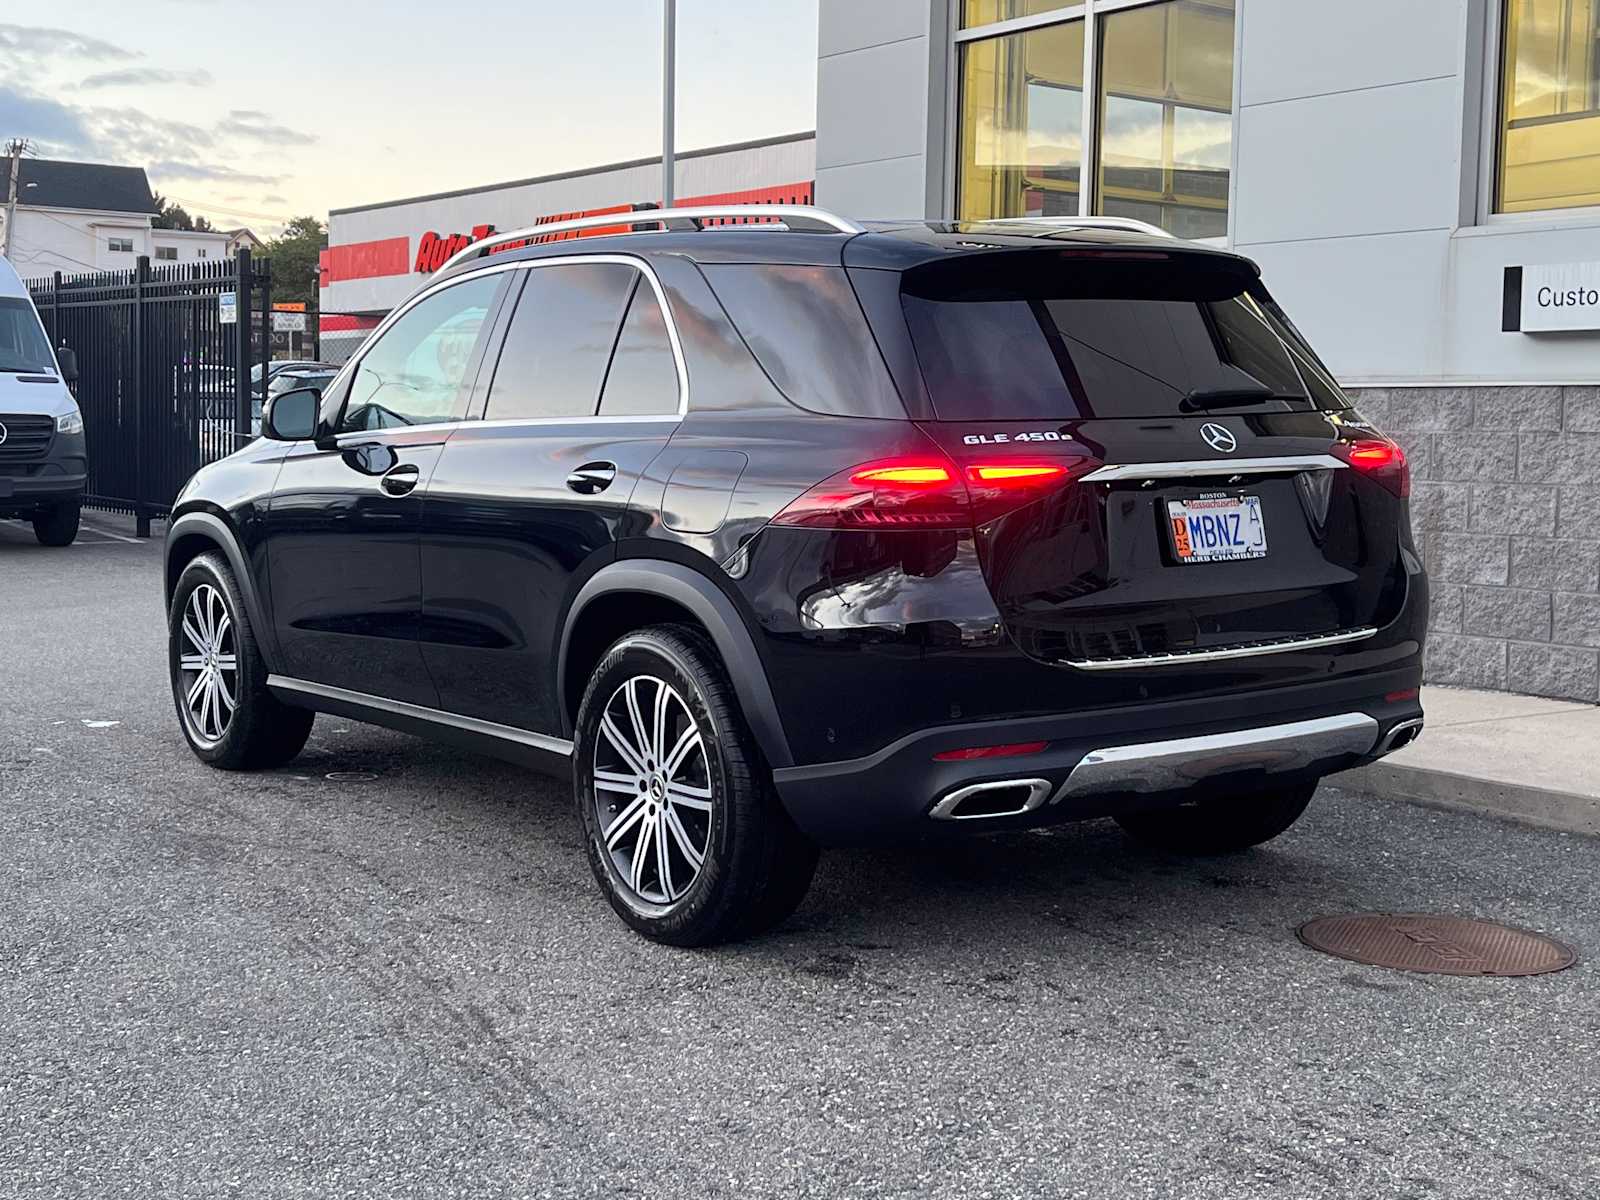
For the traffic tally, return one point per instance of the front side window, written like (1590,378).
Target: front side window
(23,348)
(553,362)
(1159,128)
(414,373)
(1550,106)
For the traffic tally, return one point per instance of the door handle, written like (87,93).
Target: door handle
(591,478)
(397,481)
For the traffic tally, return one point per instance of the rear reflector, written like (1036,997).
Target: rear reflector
(1381,459)
(1397,697)
(1009,751)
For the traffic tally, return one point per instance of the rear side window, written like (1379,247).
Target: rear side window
(22,343)
(806,329)
(559,341)
(643,379)
(1054,337)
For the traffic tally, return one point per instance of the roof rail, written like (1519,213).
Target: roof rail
(789,215)
(1127,224)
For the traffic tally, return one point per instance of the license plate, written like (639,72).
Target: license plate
(1217,528)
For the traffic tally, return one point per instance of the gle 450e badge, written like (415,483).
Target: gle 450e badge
(1000,439)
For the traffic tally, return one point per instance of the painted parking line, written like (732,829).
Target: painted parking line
(116,536)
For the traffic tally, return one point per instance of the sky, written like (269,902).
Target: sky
(255,113)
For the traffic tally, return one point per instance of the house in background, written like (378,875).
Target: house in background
(74,217)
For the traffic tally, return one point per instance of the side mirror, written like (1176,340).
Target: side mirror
(68,358)
(292,416)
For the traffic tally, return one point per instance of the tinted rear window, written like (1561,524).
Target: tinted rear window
(1056,336)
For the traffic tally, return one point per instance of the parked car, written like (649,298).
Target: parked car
(773,539)
(43,456)
(264,373)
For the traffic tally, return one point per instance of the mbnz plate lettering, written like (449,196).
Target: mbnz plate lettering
(1002,439)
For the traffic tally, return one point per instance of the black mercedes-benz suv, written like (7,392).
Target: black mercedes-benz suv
(784,534)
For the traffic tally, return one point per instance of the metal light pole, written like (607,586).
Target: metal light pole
(669,37)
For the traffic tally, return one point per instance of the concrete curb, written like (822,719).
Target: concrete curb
(1548,809)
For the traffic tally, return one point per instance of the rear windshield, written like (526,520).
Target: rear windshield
(23,348)
(1076,334)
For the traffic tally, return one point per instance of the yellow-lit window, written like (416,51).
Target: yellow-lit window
(1550,106)
(1022,124)
(1165,115)
(983,12)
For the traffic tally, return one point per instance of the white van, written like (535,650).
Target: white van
(43,458)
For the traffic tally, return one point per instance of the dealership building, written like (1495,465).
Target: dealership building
(1419,180)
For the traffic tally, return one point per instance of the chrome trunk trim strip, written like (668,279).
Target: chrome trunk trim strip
(1220,653)
(1206,467)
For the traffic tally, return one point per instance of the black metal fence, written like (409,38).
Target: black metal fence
(163,372)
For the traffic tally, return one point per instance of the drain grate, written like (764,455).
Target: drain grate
(1435,944)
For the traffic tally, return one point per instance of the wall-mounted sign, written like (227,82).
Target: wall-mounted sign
(1551,298)
(288,322)
(433,251)
(228,308)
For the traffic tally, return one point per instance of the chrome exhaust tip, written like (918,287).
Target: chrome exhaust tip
(1402,734)
(996,798)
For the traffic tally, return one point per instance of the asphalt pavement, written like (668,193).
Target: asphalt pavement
(282,985)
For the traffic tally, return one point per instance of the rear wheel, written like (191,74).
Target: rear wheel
(683,830)
(1219,825)
(57,525)
(219,680)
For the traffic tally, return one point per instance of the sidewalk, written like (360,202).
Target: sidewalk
(1521,757)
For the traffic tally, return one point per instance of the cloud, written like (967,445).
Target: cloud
(48,121)
(146,77)
(207,173)
(257,126)
(274,201)
(37,41)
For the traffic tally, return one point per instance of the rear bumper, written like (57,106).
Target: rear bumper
(1100,763)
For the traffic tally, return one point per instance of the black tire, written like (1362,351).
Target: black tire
(260,731)
(756,866)
(1220,825)
(57,525)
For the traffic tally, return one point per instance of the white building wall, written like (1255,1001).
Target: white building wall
(191,247)
(881,71)
(73,241)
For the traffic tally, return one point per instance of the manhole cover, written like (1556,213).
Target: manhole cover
(350,776)
(1440,945)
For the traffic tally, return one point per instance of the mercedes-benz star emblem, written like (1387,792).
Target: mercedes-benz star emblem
(1218,438)
(4,434)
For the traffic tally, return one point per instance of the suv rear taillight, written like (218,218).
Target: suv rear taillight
(928,493)
(1380,458)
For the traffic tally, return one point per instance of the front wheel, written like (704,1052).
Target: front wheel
(1220,825)
(684,833)
(57,525)
(219,679)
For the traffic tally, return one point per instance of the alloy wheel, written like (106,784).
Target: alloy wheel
(652,790)
(208,665)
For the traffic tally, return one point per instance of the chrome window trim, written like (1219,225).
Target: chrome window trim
(406,306)
(508,733)
(1214,466)
(1222,653)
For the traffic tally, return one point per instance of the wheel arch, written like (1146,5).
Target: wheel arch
(197,533)
(635,594)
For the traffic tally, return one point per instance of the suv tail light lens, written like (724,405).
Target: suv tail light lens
(927,493)
(1381,459)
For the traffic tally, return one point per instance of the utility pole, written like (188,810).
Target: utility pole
(669,71)
(14,148)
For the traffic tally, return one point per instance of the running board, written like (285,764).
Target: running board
(1182,762)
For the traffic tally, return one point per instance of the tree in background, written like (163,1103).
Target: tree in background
(294,256)
(172,215)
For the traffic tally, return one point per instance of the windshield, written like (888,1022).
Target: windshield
(1057,336)
(23,348)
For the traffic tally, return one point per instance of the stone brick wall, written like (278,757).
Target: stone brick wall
(1506,507)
